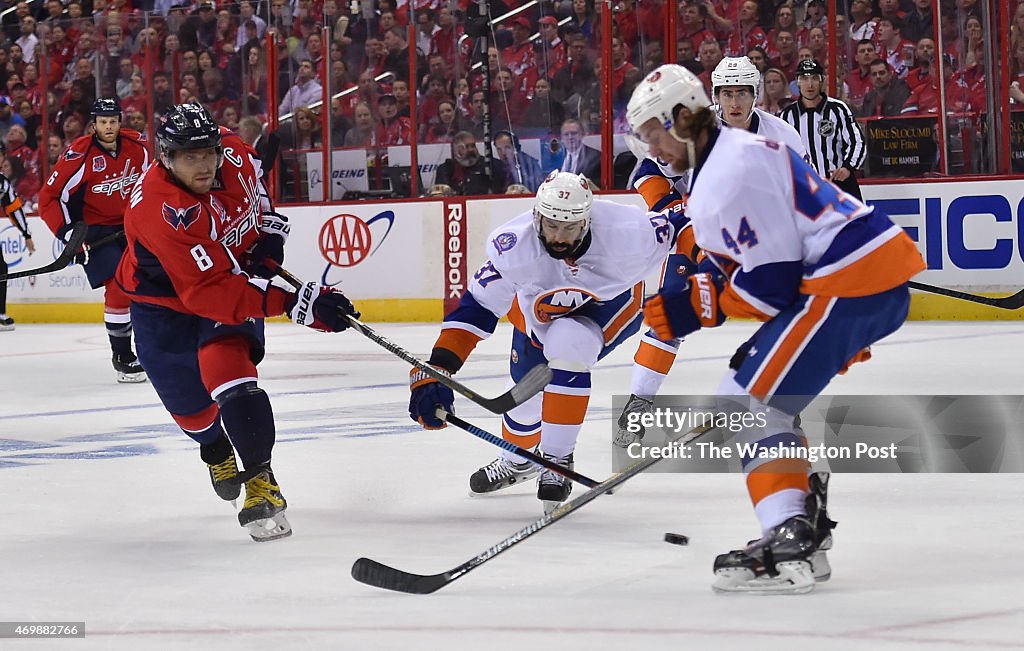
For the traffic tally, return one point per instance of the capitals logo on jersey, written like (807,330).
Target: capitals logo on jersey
(121,184)
(183,217)
(554,304)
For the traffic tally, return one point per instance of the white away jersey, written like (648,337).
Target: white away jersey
(627,245)
(773,128)
(777,229)
(660,185)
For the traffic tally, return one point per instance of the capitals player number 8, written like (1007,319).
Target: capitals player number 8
(202,258)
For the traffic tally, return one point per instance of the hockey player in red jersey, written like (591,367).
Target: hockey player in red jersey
(196,240)
(91,182)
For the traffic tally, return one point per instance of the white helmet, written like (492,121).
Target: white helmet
(564,197)
(664,89)
(659,94)
(735,71)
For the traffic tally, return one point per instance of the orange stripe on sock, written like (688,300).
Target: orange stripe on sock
(790,346)
(527,442)
(562,409)
(776,476)
(654,358)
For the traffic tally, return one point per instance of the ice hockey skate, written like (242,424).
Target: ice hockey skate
(220,461)
(778,563)
(263,510)
(817,513)
(552,488)
(6,323)
(500,474)
(128,369)
(635,406)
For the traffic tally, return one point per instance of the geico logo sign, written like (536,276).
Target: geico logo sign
(976,232)
(455,253)
(346,240)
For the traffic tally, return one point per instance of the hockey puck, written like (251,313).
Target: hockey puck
(677,539)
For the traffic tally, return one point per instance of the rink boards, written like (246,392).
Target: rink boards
(404,260)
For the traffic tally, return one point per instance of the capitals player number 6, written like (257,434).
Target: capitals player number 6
(202,258)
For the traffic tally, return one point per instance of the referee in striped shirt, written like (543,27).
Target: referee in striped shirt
(833,139)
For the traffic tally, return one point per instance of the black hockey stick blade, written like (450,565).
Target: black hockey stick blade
(371,572)
(528,386)
(383,576)
(71,249)
(1012,302)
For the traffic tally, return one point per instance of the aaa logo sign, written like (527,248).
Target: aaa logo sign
(346,240)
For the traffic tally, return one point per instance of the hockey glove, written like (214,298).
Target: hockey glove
(268,246)
(678,313)
(64,234)
(274,223)
(427,395)
(322,308)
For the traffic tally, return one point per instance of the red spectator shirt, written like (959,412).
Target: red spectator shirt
(92,184)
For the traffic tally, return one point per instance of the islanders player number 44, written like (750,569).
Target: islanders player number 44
(826,274)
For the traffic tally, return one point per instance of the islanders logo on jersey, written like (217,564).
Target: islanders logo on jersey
(183,217)
(554,304)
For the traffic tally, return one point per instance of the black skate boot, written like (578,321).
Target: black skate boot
(220,461)
(817,513)
(498,474)
(552,488)
(635,405)
(6,323)
(779,563)
(263,511)
(129,371)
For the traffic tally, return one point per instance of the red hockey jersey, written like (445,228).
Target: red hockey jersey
(187,251)
(92,184)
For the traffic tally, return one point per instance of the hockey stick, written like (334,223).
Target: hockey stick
(371,572)
(71,249)
(531,384)
(1013,302)
(515,449)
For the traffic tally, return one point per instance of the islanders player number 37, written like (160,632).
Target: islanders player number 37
(569,275)
(825,273)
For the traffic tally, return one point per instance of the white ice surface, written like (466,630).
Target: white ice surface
(109,517)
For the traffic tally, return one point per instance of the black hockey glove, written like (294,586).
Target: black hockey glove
(63,234)
(268,246)
(322,308)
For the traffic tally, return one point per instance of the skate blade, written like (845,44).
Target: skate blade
(131,378)
(6,328)
(795,577)
(820,566)
(550,505)
(268,529)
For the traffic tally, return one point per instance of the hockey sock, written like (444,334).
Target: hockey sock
(117,319)
(119,333)
(216,452)
(249,422)
(565,405)
(524,435)
(202,427)
(651,364)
